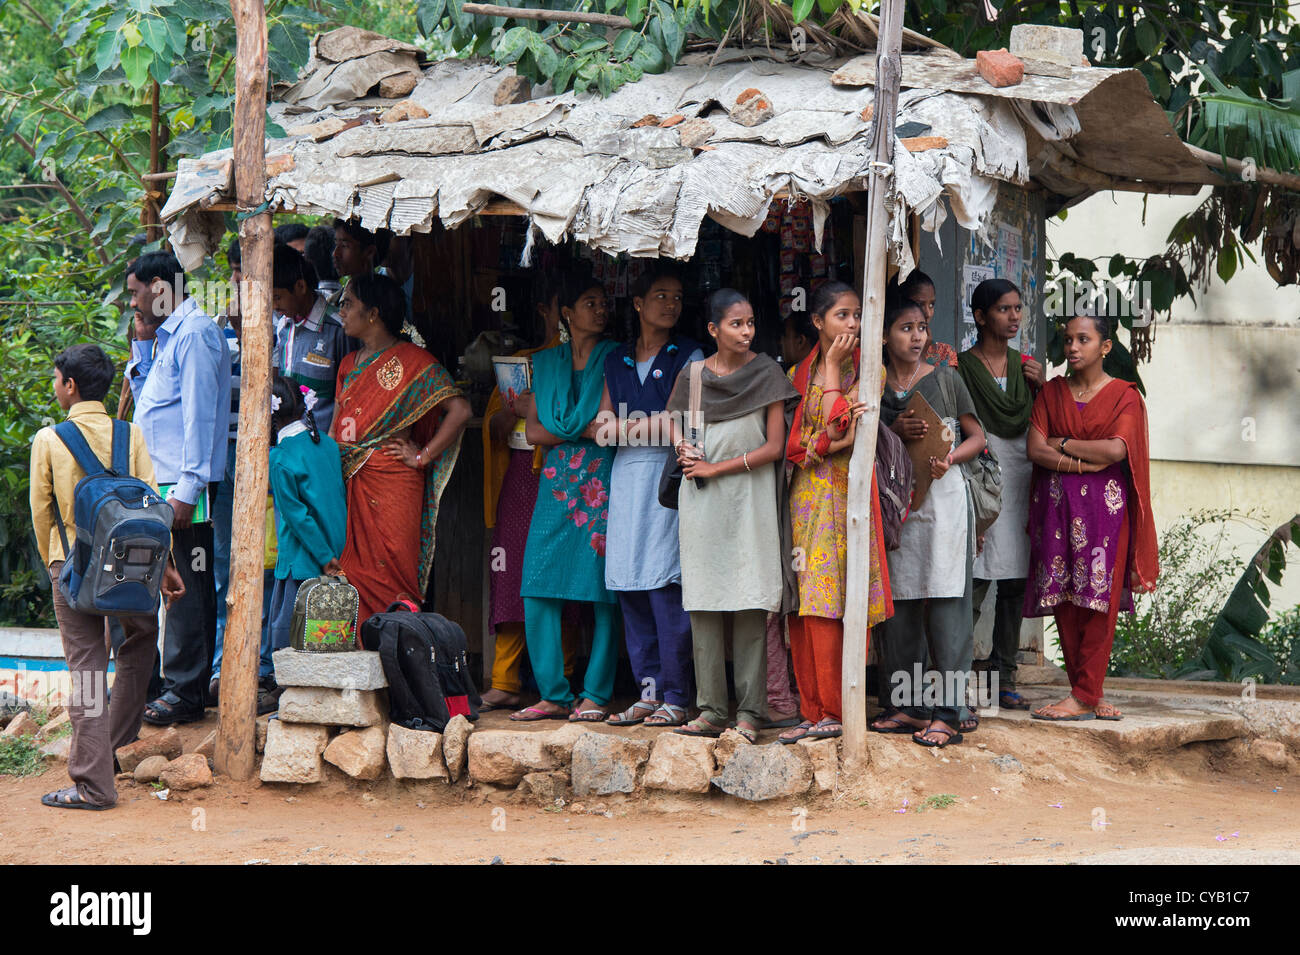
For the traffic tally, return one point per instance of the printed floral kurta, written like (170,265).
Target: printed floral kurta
(1074,522)
(819,521)
(565,555)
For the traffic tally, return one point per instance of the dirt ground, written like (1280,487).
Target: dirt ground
(1075,800)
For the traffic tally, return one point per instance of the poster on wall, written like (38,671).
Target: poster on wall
(972,275)
(1010,262)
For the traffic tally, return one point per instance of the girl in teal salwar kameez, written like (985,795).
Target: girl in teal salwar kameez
(564,558)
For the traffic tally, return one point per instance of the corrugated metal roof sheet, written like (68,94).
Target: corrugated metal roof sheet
(582,166)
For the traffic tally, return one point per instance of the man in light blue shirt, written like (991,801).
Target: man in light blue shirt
(183,408)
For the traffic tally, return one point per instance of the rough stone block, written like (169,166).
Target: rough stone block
(726,747)
(504,758)
(208,747)
(1041,65)
(150,768)
(21,725)
(1063,44)
(186,772)
(1270,751)
(757,773)
(403,111)
(604,763)
(695,133)
(751,108)
(354,670)
(359,753)
(544,788)
(680,764)
(397,85)
(825,757)
(317,704)
(455,740)
(52,726)
(512,89)
(999,68)
(559,742)
(293,752)
(262,723)
(415,754)
(167,743)
(58,749)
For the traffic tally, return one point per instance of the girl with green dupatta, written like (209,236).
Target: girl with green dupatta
(1002,383)
(564,558)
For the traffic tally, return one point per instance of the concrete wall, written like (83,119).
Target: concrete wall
(1223,386)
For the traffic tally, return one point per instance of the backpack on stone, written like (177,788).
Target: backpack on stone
(124,532)
(325,616)
(426,662)
(894,479)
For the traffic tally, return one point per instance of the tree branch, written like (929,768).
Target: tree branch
(80,122)
(73,204)
(36,13)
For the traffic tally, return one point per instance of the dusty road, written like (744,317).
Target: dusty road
(1072,800)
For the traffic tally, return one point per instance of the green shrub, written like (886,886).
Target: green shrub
(1170,627)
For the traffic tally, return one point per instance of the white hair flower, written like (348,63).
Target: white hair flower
(275,403)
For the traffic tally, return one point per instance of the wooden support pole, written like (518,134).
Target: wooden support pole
(554,16)
(236,754)
(889,73)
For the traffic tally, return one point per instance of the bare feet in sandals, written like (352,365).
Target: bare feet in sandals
(937,735)
(541,710)
(1105,710)
(588,711)
(896,722)
(1068,710)
(495,699)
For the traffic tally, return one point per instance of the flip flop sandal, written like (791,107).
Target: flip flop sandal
(1115,718)
(537,715)
(700,727)
(951,738)
(161,713)
(1010,700)
(1077,718)
(970,724)
(588,716)
(806,725)
(899,730)
(69,799)
(823,731)
(676,715)
(749,735)
(640,706)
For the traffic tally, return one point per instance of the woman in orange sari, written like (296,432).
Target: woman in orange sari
(398,421)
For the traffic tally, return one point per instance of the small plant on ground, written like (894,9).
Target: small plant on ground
(20,756)
(939,801)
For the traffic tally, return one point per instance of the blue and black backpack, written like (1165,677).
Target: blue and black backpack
(124,532)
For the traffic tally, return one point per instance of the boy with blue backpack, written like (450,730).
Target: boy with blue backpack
(104,533)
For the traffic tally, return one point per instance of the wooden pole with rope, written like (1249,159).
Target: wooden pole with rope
(236,751)
(889,72)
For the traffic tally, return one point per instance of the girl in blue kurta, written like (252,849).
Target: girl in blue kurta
(564,558)
(642,563)
(311,516)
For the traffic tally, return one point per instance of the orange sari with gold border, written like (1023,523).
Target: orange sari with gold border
(392,508)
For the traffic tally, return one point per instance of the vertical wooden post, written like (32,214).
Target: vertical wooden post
(889,71)
(235,754)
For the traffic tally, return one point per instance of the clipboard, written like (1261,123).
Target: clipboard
(936,443)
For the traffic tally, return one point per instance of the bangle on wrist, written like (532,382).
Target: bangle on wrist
(745,458)
(1061,447)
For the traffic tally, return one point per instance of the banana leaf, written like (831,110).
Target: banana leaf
(1233,650)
